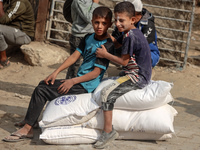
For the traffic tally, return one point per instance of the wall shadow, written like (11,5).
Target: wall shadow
(191,106)
(23,89)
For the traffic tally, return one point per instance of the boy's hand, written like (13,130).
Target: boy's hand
(101,52)
(66,86)
(51,78)
(112,38)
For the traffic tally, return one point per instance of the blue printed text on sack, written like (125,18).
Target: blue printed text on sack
(65,100)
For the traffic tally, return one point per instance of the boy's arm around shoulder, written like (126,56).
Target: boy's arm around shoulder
(103,53)
(116,43)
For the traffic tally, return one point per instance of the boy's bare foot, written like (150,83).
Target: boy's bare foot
(25,132)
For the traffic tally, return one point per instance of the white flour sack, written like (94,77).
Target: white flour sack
(68,106)
(123,135)
(68,121)
(158,120)
(70,135)
(81,135)
(156,94)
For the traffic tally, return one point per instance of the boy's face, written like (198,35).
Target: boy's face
(123,22)
(100,26)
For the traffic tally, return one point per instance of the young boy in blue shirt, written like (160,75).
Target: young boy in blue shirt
(136,61)
(88,78)
(81,14)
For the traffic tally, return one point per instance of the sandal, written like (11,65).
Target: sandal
(4,64)
(15,137)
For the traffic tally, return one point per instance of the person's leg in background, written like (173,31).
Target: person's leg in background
(3,46)
(4,62)
(10,36)
(73,69)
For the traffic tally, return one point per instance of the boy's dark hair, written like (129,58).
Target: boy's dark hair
(103,12)
(127,7)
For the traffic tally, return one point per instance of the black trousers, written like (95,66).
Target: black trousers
(44,93)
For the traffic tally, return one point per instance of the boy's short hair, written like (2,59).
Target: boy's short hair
(103,12)
(127,7)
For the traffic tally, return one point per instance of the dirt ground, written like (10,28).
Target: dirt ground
(18,81)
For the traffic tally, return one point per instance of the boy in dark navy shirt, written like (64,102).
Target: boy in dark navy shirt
(136,61)
(145,23)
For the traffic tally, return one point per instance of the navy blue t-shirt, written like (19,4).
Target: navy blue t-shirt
(139,67)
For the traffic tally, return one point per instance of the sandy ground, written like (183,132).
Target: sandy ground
(19,80)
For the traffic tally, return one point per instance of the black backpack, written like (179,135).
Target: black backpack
(67,10)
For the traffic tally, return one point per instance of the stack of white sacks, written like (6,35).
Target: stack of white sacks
(142,114)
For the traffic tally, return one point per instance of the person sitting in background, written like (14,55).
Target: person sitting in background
(145,23)
(17,23)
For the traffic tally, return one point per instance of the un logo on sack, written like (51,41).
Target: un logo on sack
(65,100)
